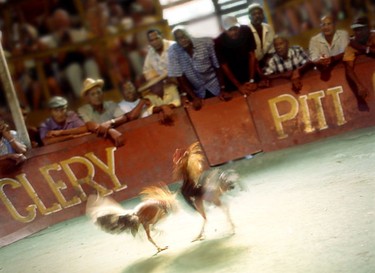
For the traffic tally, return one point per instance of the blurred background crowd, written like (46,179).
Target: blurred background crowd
(52,46)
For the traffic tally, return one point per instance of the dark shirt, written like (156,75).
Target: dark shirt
(235,53)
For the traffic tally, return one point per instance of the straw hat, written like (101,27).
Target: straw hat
(89,83)
(152,81)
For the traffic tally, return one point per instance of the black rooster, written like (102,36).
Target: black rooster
(199,186)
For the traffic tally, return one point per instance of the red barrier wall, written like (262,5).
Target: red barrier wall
(53,184)
(323,108)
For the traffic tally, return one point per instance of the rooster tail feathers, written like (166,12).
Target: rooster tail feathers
(110,216)
(229,179)
(115,224)
(188,163)
(217,179)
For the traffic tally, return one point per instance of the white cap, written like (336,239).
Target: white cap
(254,6)
(230,21)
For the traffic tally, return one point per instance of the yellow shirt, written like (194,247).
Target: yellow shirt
(171,96)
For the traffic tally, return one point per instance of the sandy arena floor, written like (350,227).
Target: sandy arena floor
(310,208)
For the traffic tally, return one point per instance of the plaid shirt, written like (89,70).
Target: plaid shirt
(297,57)
(198,69)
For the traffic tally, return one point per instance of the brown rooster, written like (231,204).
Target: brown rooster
(157,203)
(199,186)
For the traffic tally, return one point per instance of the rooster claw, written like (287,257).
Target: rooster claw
(160,249)
(199,238)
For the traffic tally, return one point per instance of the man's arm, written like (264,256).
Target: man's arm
(56,136)
(186,88)
(353,78)
(136,111)
(16,145)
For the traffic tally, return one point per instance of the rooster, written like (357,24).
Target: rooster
(199,186)
(156,204)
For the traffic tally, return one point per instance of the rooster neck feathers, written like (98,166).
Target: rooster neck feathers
(188,165)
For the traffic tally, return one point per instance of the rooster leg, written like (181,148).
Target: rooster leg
(200,208)
(225,208)
(147,229)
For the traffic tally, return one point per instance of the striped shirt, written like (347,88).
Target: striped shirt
(297,57)
(198,69)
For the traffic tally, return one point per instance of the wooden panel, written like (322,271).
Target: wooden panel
(53,184)
(323,108)
(225,130)
(44,190)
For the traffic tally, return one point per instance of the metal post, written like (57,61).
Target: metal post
(12,99)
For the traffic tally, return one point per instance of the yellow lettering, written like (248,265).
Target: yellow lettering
(56,187)
(8,204)
(108,169)
(306,114)
(279,118)
(34,196)
(316,96)
(88,179)
(334,92)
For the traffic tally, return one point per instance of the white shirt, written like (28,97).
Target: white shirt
(319,47)
(126,106)
(156,64)
(268,35)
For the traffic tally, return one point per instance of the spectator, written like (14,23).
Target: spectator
(75,64)
(96,109)
(62,124)
(263,34)
(28,81)
(163,98)
(198,77)
(235,52)
(156,61)
(132,105)
(327,48)
(99,114)
(33,131)
(287,62)
(10,146)
(363,43)
(136,44)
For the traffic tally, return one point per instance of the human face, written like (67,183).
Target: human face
(361,34)
(156,41)
(233,33)
(95,96)
(59,114)
(129,92)
(182,38)
(327,26)
(256,16)
(281,46)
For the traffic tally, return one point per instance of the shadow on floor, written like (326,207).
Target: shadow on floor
(201,256)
